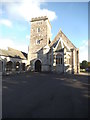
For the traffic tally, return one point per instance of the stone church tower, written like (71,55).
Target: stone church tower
(40,36)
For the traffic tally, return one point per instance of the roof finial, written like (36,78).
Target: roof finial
(60,30)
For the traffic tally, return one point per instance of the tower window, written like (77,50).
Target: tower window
(38,29)
(37,42)
(49,41)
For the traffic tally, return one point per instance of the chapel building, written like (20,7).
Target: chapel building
(58,55)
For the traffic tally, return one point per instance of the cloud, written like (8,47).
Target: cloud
(6,42)
(83,51)
(6,22)
(27,9)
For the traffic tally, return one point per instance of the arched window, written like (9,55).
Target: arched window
(59,59)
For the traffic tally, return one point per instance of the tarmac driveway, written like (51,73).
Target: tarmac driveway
(45,95)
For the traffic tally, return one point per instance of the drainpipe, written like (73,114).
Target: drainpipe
(77,61)
(72,61)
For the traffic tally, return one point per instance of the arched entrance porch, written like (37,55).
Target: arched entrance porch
(38,66)
(17,66)
(9,66)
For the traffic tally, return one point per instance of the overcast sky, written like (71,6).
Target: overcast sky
(71,17)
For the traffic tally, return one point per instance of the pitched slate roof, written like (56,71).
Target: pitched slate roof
(13,53)
(54,45)
(64,38)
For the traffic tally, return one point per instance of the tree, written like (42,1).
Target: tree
(84,64)
(81,66)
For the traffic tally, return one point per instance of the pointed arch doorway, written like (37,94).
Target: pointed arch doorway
(38,66)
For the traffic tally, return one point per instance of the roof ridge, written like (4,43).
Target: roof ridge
(13,49)
(67,38)
(12,52)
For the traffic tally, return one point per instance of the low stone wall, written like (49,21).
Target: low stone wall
(45,68)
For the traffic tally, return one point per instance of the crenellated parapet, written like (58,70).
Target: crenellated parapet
(39,18)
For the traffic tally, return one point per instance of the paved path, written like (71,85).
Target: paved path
(85,73)
(41,95)
(0,95)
